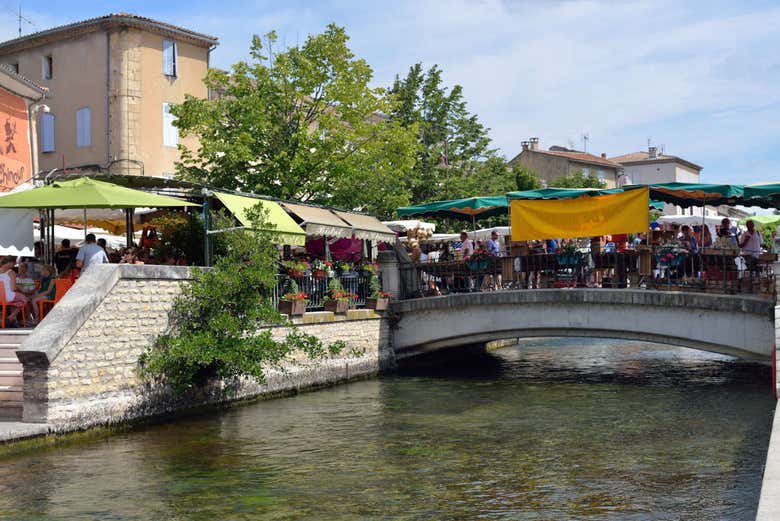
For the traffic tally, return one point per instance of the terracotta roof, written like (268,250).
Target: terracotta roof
(56,33)
(644,158)
(580,157)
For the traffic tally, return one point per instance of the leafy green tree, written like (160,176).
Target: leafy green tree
(216,323)
(578,179)
(302,123)
(453,146)
(526,179)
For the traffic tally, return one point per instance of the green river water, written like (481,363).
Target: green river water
(548,429)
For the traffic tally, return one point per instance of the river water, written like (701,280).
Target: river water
(548,429)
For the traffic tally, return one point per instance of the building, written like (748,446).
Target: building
(561,162)
(654,167)
(19,101)
(111,81)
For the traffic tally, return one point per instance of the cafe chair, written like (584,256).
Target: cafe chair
(61,287)
(4,305)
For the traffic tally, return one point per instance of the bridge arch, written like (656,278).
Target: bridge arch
(741,326)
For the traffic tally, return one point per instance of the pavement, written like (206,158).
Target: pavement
(15,431)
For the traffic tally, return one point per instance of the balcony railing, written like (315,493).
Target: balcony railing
(317,287)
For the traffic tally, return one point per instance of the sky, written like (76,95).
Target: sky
(700,79)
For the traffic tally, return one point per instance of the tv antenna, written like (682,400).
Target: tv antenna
(585,139)
(20,19)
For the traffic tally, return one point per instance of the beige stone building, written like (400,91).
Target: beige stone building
(111,81)
(560,162)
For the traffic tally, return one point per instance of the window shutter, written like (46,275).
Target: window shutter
(83,127)
(169,57)
(170,132)
(47,132)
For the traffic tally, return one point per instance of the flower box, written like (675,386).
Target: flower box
(319,274)
(337,306)
(293,308)
(377,304)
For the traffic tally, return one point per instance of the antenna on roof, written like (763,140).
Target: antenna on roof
(21,19)
(585,139)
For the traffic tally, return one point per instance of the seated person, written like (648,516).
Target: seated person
(24,281)
(46,292)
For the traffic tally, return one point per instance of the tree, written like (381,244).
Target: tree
(578,180)
(453,146)
(302,123)
(526,179)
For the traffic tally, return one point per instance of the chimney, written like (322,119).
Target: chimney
(524,145)
(533,143)
(603,155)
(652,153)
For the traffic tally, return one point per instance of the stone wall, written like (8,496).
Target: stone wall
(80,363)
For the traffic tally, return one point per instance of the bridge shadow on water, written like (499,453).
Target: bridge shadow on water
(593,361)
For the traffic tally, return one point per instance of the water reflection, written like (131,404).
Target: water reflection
(549,429)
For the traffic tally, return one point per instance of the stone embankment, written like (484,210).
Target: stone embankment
(79,364)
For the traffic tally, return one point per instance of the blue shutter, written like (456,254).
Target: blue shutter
(47,132)
(169,57)
(83,127)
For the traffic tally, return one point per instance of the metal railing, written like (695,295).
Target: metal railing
(317,288)
(649,268)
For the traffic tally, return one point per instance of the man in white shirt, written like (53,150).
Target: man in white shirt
(90,253)
(751,241)
(466,245)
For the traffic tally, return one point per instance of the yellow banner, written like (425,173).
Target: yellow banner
(586,216)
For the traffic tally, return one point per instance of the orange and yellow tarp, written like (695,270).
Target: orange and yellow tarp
(586,216)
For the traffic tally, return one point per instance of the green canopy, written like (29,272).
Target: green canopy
(765,196)
(771,220)
(469,208)
(693,194)
(285,228)
(561,193)
(88,193)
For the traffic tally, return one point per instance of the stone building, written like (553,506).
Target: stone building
(656,167)
(560,162)
(111,81)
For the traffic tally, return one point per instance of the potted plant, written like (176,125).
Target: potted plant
(479,260)
(295,267)
(379,299)
(569,255)
(321,269)
(337,299)
(293,303)
(343,267)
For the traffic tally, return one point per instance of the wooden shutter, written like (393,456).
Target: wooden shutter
(47,132)
(83,127)
(170,132)
(169,57)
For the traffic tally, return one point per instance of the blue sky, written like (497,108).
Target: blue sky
(700,78)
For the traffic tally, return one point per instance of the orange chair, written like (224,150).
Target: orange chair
(61,286)
(5,305)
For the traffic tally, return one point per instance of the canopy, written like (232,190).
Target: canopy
(16,233)
(693,194)
(87,193)
(484,234)
(690,220)
(561,193)
(367,227)
(467,209)
(320,221)
(766,220)
(285,228)
(765,196)
(410,224)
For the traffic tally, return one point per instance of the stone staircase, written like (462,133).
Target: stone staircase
(11,396)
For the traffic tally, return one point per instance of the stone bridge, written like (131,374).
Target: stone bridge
(742,326)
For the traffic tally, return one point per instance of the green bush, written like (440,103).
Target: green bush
(214,324)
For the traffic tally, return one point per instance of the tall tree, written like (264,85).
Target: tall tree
(453,145)
(526,179)
(302,123)
(578,179)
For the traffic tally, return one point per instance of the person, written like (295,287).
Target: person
(15,299)
(724,242)
(466,245)
(751,241)
(24,281)
(493,247)
(90,253)
(725,226)
(47,290)
(688,240)
(102,243)
(551,245)
(774,246)
(64,256)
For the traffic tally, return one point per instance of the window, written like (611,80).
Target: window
(602,176)
(585,171)
(169,58)
(170,132)
(14,67)
(47,132)
(46,67)
(83,127)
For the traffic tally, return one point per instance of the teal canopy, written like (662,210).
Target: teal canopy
(694,194)
(469,208)
(765,196)
(561,193)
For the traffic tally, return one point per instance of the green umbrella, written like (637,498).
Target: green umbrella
(693,194)
(88,193)
(765,196)
(770,220)
(467,209)
(561,193)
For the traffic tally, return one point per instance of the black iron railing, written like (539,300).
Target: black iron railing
(317,287)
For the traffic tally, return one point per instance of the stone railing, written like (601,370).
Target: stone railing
(80,364)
